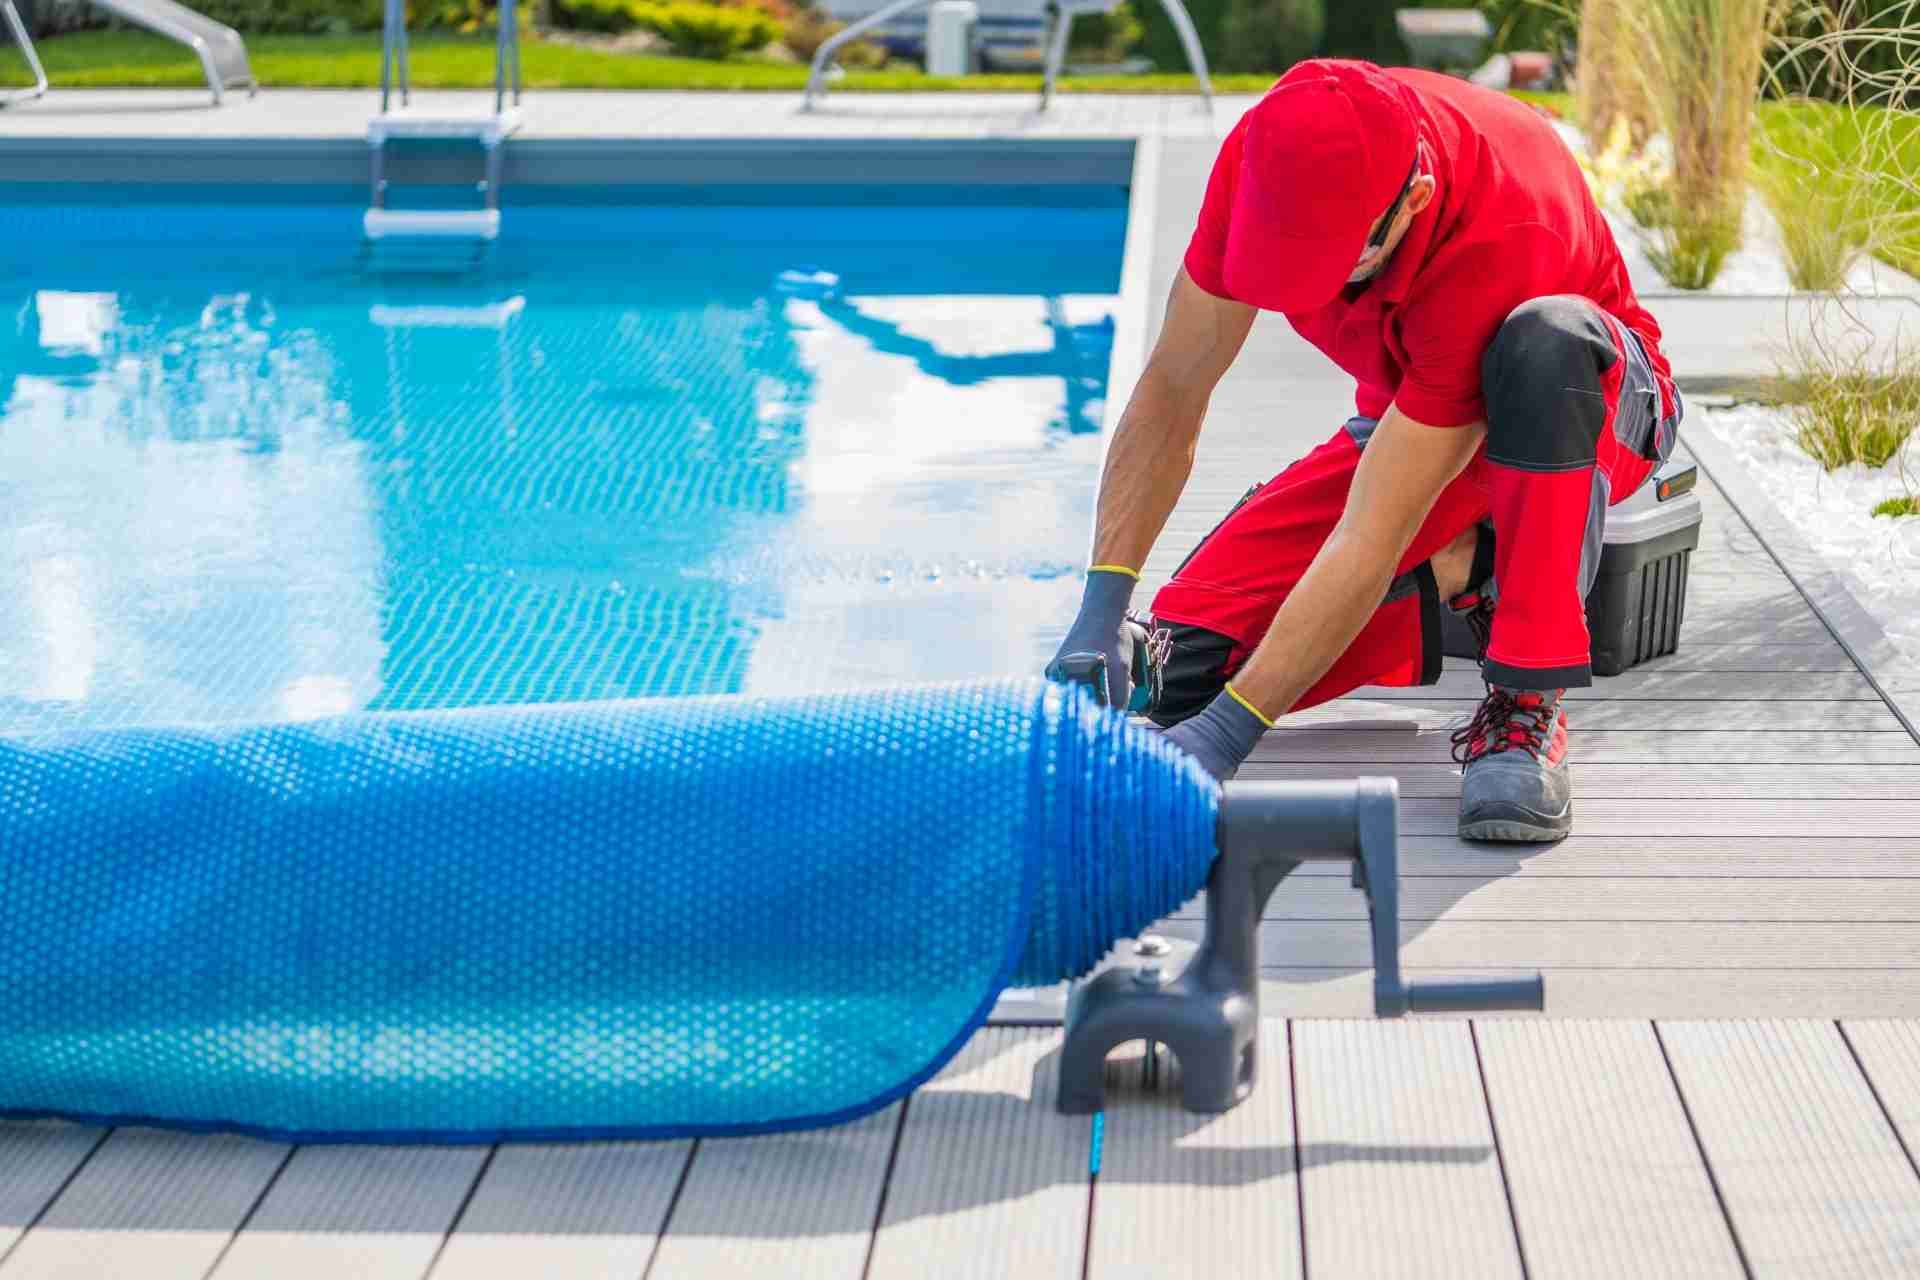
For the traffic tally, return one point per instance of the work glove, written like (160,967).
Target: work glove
(1221,735)
(1095,651)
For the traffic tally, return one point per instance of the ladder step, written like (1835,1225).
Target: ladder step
(493,315)
(442,224)
(487,130)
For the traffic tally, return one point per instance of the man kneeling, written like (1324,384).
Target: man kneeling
(1437,241)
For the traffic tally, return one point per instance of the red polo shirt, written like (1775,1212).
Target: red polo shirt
(1512,220)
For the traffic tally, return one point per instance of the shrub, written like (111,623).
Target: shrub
(710,31)
(1697,65)
(1817,208)
(464,16)
(1109,36)
(1853,397)
(611,16)
(808,31)
(294,17)
(1160,42)
(1648,201)
(863,55)
(1605,92)
(1906,506)
(1269,35)
(1363,29)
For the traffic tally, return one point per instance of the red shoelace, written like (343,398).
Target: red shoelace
(1508,721)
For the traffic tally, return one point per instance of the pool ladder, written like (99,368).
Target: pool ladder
(490,131)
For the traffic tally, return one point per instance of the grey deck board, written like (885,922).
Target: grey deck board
(1639,991)
(148,1203)
(1197,1196)
(1814,1181)
(1745,816)
(377,1212)
(586,1212)
(1594,944)
(36,1159)
(790,1204)
(1399,1171)
(1889,1054)
(1493,898)
(1626,715)
(1606,1178)
(989,1181)
(1665,686)
(1808,781)
(1602,746)
(1607,858)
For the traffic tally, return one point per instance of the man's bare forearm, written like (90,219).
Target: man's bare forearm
(1404,469)
(1318,620)
(1146,471)
(1152,451)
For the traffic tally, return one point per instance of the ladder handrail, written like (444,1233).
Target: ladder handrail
(25,41)
(394,54)
(1062,13)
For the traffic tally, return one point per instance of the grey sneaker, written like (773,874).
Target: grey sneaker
(1516,785)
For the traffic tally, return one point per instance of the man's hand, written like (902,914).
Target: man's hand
(1222,735)
(1405,466)
(1092,651)
(1147,465)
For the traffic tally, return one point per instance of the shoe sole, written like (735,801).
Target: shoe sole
(1516,823)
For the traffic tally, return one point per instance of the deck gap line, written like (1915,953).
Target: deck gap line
(1713,1179)
(673,1202)
(1879,1101)
(58,1191)
(1093,1194)
(886,1185)
(1908,727)
(466,1201)
(1499,1155)
(1299,1178)
(234,1236)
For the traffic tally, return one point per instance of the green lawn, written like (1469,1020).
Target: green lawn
(1888,143)
(99,59)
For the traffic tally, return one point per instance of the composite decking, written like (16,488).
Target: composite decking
(1731,942)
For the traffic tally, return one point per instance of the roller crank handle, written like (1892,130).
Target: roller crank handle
(1086,668)
(1484,996)
(1090,668)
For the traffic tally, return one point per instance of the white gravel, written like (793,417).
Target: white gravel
(1878,557)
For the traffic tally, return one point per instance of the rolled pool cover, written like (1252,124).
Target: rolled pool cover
(603,920)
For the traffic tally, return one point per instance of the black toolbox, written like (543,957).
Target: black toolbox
(1640,593)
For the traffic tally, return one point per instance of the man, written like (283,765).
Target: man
(1437,241)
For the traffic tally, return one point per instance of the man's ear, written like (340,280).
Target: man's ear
(1421,194)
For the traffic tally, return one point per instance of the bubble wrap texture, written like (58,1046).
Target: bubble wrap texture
(615,919)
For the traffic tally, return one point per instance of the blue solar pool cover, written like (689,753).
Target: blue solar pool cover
(619,919)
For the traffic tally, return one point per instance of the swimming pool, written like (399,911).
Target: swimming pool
(660,442)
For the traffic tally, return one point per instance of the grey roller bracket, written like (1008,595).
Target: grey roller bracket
(1209,1015)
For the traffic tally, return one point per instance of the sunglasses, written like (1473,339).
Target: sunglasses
(1379,237)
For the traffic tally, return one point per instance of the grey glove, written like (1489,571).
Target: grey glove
(1094,651)
(1221,735)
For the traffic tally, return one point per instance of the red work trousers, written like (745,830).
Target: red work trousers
(1576,419)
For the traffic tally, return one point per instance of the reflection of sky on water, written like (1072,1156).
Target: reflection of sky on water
(318,494)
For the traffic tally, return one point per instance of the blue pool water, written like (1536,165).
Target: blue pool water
(766,445)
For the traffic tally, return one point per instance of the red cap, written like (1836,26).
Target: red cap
(1325,152)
